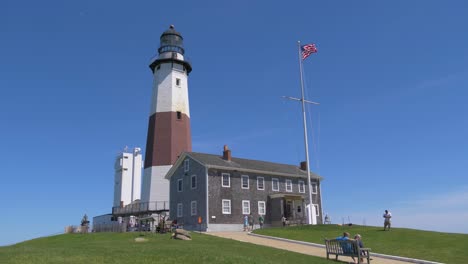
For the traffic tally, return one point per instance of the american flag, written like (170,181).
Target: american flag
(307,50)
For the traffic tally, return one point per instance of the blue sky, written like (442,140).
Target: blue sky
(391,77)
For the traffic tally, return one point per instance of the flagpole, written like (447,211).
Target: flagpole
(305,133)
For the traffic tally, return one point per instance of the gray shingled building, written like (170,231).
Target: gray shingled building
(213,193)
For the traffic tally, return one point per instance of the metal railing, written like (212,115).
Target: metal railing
(138,208)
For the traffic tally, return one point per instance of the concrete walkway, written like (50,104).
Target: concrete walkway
(295,247)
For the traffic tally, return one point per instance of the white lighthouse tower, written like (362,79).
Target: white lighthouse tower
(169,120)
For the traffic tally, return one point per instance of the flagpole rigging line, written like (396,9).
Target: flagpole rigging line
(314,144)
(309,112)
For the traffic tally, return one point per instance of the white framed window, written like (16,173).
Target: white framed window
(186,165)
(245,207)
(288,185)
(245,181)
(180,185)
(261,208)
(193,208)
(177,81)
(313,185)
(180,210)
(260,183)
(193,181)
(275,184)
(301,186)
(226,206)
(225,180)
(317,211)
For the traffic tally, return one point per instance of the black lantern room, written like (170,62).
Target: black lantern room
(171,44)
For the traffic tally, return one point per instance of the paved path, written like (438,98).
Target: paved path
(304,249)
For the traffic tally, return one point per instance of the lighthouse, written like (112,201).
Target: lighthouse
(169,117)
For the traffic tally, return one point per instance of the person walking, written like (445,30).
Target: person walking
(251,222)
(387,223)
(246,222)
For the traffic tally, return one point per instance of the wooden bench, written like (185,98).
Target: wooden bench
(348,248)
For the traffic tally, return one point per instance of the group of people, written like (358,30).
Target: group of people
(357,238)
(249,222)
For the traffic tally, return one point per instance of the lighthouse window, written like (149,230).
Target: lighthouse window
(179,115)
(177,81)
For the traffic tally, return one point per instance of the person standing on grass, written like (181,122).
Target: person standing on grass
(387,215)
(261,220)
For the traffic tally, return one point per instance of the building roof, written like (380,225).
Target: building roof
(248,165)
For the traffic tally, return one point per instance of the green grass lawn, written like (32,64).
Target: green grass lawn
(434,246)
(118,248)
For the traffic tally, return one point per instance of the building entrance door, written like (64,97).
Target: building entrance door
(288,211)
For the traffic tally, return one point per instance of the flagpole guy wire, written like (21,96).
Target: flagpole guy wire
(303,101)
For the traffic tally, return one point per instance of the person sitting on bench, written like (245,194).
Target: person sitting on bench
(347,248)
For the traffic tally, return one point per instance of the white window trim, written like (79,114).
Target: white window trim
(317,209)
(273,186)
(186,165)
(288,185)
(180,210)
(242,181)
(222,206)
(248,211)
(313,189)
(192,203)
(222,179)
(301,183)
(181,185)
(264,207)
(191,180)
(263,183)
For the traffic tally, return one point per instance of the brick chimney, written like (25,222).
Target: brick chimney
(226,153)
(304,165)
